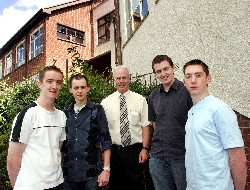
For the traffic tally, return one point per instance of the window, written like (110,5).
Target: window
(8,64)
(1,69)
(138,10)
(20,54)
(103,25)
(36,42)
(70,34)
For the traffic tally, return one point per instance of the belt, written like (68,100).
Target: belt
(115,146)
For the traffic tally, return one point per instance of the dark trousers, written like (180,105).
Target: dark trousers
(126,172)
(59,187)
(84,185)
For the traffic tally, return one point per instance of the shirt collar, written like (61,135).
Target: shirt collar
(174,86)
(88,104)
(126,94)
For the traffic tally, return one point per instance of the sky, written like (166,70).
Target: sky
(15,13)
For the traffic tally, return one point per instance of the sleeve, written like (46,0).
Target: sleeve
(228,129)
(144,115)
(151,111)
(22,127)
(105,137)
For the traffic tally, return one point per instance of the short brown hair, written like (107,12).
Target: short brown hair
(160,58)
(48,68)
(196,62)
(78,77)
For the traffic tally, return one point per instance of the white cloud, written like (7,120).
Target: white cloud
(39,3)
(15,16)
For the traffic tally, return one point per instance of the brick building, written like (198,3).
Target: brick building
(89,25)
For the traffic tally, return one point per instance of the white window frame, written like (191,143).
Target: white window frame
(1,69)
(8,63)
(35,50)
(20,60)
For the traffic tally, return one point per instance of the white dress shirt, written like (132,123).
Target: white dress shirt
(137,115)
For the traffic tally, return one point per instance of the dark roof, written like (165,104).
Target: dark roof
(35,19)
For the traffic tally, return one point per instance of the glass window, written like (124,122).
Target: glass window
(103,28)
(20,54)
(36,43)
(138,9)
(8,64)
(70,34)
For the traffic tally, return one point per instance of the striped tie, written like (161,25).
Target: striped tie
(124,123)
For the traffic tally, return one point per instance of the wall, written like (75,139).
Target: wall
(217,32)
(77,17)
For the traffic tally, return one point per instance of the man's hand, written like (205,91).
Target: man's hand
(103,178)
(143,156)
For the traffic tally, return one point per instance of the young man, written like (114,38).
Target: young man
(87,137)
(169,103)
(215,156)
(129,128)
(34,158)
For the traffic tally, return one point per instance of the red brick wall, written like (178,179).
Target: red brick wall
(77,17)
(244,124)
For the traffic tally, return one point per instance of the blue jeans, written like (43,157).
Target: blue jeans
(84,185)
(168,175)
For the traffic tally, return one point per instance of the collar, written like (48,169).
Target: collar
(174,86)
(88,104)
(126,94)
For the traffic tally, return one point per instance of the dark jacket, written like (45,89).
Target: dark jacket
(87,135)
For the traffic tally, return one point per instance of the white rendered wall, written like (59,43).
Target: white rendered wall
(217,32)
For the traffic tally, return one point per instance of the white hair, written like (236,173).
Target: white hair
(120,67)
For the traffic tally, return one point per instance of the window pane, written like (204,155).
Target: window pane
(61,29)
(70,32)
(8,64)
(144,7)
(79,40)
(102,31)
(21,51)
(79,34)
(101,21)
(61,35)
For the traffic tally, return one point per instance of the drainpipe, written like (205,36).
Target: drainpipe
(119,32)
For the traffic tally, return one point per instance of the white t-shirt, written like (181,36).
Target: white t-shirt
(211,130)
(41,131)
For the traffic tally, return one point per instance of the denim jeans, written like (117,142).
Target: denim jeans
(84,185)
(168,175)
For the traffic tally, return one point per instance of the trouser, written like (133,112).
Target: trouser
(59,187)
(84,185)
(168,175)
(126,171)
